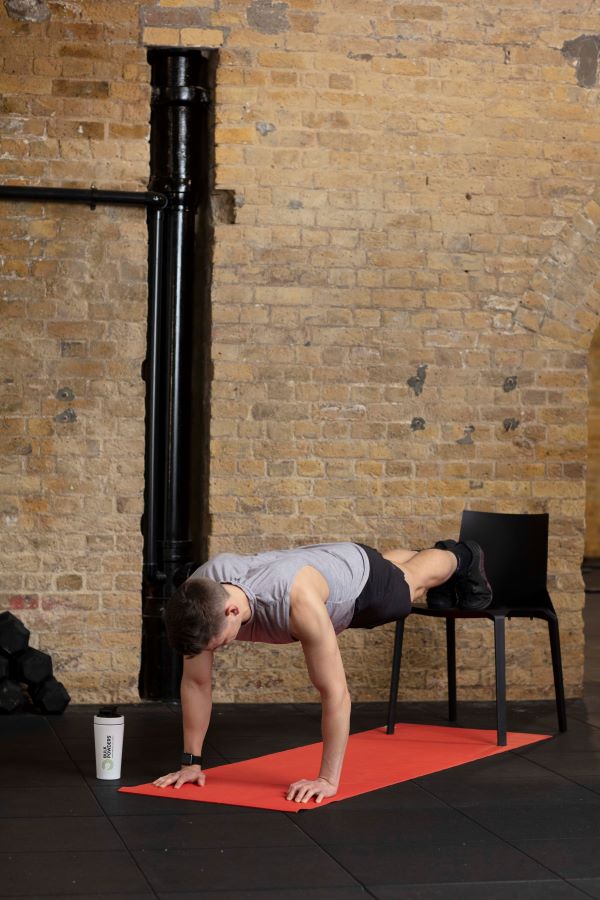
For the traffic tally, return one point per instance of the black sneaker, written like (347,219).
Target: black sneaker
(443,596)
(473,589)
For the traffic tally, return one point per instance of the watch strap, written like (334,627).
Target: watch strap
(188,759)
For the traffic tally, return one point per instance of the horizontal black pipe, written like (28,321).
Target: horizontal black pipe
(91,197)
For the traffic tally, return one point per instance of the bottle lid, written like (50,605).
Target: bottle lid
(108,712)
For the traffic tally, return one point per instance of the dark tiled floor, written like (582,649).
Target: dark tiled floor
(522,825)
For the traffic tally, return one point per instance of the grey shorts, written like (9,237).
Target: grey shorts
(385,596)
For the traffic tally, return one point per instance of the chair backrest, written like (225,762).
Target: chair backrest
(515,550)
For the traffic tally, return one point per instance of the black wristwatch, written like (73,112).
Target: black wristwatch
(188,759)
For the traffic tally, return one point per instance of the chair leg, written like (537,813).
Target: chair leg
(395,680)
(451,661)
(559,689)
(500,655)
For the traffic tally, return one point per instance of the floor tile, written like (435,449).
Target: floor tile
(482,786)
(330,893)
(134,895)
(580,737)
(28,747)
(508,890)
(590,782)
(403,796)
(52,833)
(26,726)
(577,858)
(112,803)
(233,868)
(32,802)
(433,861)
(591,886)
(543,821)
(57,772)
(572,765)
(44,874)
(180,832)
(336,825)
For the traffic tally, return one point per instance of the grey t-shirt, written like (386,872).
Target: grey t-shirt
(266,579)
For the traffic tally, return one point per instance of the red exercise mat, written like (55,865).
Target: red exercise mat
(373,760)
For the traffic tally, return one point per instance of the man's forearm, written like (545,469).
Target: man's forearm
(335,727)
(196,705)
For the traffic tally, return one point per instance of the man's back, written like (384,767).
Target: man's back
(267,578)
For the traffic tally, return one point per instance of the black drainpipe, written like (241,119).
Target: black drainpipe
(178,340)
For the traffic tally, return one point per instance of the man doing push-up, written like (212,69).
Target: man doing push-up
(307,594)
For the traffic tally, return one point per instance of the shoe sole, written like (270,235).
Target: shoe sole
(484,603)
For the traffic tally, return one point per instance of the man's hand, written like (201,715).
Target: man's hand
(186,775)
(302,791)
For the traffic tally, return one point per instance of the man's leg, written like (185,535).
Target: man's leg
(423,570)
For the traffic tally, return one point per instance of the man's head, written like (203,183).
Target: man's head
(196,615)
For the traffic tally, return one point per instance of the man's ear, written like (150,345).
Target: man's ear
(232,609)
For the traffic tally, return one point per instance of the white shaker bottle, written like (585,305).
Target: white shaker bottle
(108,738)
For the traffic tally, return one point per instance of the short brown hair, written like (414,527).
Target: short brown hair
(195,614)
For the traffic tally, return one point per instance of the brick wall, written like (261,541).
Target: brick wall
(402,309)
(592,509)
(75,112)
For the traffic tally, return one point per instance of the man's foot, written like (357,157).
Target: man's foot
(472,587)
(443,596)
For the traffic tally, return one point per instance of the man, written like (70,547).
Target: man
(308,594)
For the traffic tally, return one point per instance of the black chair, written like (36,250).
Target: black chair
(516,559)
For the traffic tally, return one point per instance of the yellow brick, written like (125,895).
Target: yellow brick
(240,135)
(161,37)
(201,37)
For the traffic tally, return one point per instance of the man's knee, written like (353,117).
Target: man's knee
(413,581)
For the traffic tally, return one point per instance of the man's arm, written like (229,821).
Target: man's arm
(311,625)
(196,705)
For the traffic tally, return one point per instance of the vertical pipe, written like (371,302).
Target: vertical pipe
(152,379)
(180,167)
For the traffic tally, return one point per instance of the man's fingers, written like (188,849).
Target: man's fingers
(304,790)
(178,779)
(164,781)
(292,791)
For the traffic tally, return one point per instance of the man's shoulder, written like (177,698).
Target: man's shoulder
(221,564)
(309,583)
